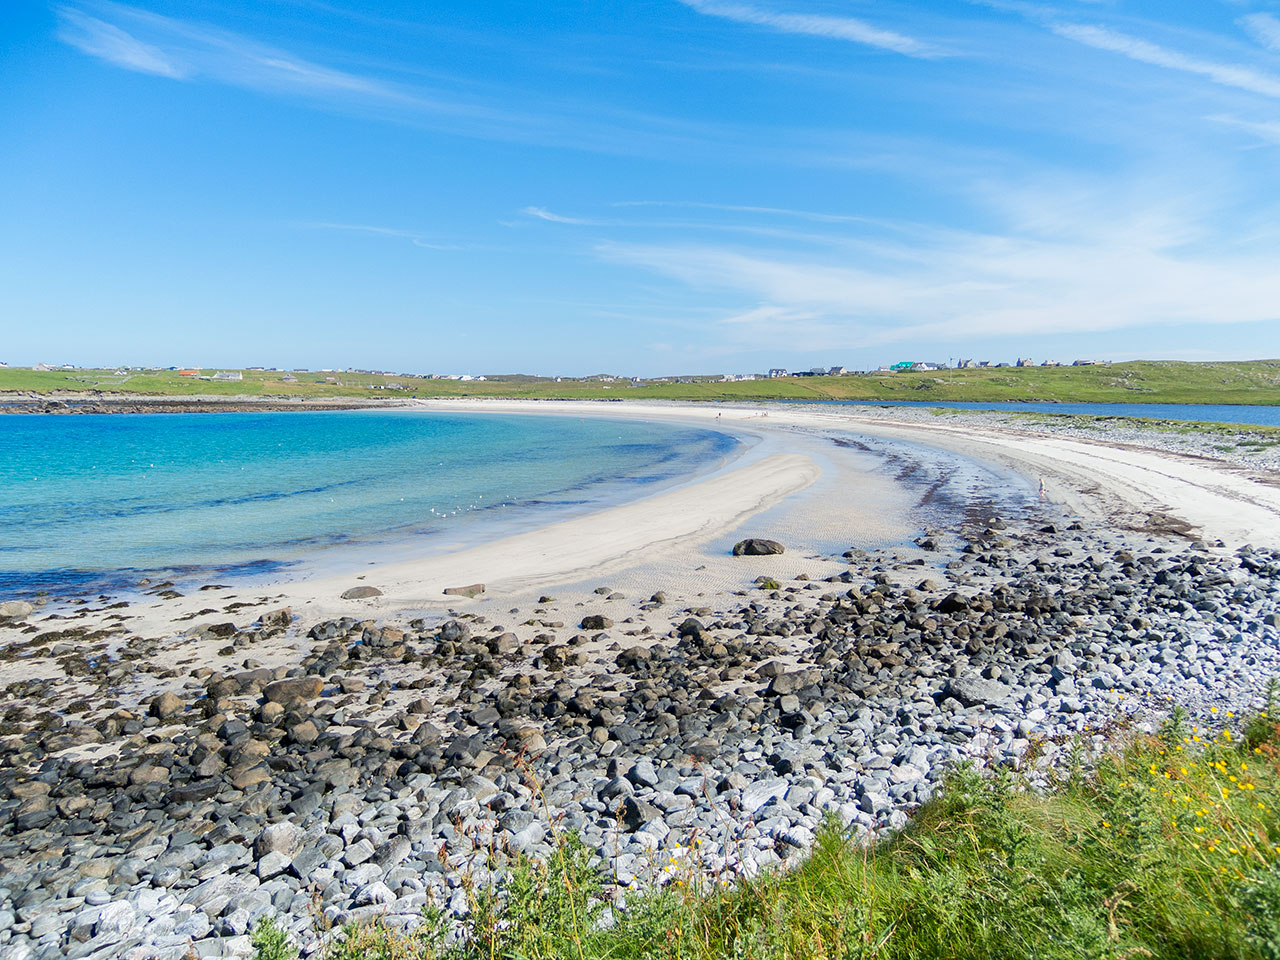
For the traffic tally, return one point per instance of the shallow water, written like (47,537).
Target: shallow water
(95,502)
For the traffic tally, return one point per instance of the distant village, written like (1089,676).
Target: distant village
(334,376)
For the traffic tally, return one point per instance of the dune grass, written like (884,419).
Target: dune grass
(1142,381)
(1164,847)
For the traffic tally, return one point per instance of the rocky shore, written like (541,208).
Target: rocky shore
(379,762)
(83,403)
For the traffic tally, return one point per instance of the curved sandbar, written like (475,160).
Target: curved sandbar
(597,544)
(1120,484)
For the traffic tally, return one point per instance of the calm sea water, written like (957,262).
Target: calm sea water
(1207,412)
(95,502)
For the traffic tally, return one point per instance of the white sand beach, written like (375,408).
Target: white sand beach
(927,580)
(789,485)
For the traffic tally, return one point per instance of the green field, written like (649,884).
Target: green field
(1143,381)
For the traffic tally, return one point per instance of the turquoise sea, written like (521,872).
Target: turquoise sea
(96,502)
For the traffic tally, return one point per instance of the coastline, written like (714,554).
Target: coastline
(1123,484)
(72,404)
(281,746)
(1121,487)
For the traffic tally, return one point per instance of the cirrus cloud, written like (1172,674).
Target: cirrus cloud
(817,25)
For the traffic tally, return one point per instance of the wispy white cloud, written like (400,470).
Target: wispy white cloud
(745,208)
(1265,130)
(542,213)
(108,42)
(1226,74)
(817,25)
(693,225)
(414,237)
(199,51)
(1264,28)
(773,316)
(1103,273)
(137,39)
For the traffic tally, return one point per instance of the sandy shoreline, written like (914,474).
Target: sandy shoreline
(1119,483)
(173,769)
(1124,487)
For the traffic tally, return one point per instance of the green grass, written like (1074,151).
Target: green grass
(1168,847)
(1146,381)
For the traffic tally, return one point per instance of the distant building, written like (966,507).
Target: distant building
(1090,363)
(777,372)
(228,375)
(902,365)
(966,364)
(288,378)
(837,372)
(188,373)
(1051,363)
(1025,362)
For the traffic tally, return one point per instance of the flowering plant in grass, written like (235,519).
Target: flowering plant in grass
(1164,846)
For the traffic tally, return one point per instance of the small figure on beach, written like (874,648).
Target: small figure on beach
(1042,488)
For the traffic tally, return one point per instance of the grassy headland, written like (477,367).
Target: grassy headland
(1146,381)
(1165,847)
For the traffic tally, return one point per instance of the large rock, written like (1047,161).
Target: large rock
(293,691)
(148,773)
(276,619)
(392,853)
(361,593)
(15,610)
(757,794)
(952,603)
(470,590)
(249,775)
(757,547)
(973,691)
(636,813)
(596,622)
(785,684)
(167,705)
(283,837)
(454,631)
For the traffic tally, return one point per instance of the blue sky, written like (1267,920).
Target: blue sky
(661,187)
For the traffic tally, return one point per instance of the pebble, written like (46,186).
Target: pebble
(720,742)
